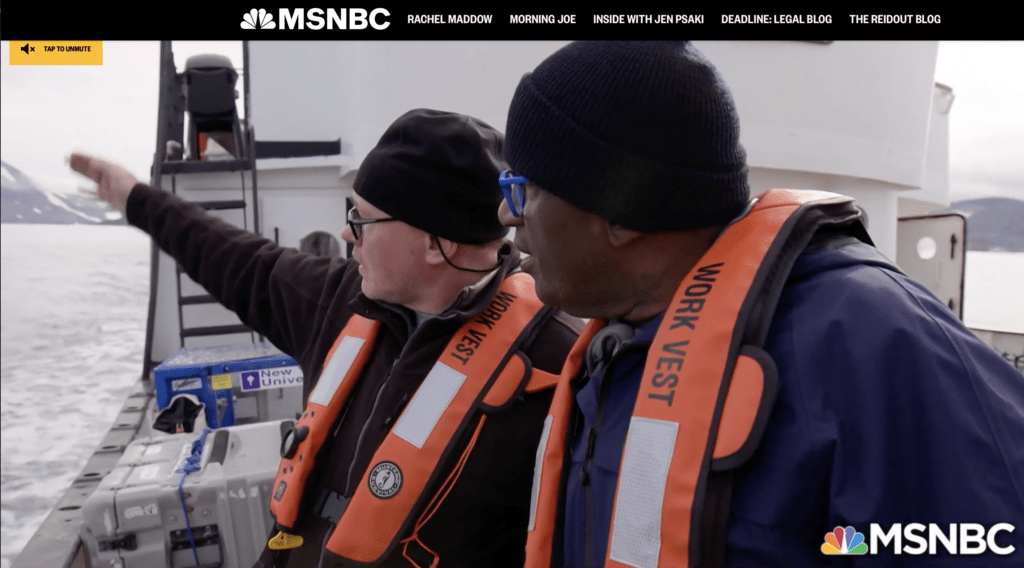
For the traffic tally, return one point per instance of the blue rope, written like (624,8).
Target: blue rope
(191,464)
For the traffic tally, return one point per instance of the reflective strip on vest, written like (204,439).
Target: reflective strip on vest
(342,367)
(426,407)
(541,448)
(678,416)
(636,533)
(546,482)
(337,367)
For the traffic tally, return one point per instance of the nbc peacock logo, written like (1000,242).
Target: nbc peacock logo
(258,19)
(844,541)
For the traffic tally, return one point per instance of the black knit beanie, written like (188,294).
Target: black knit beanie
(437,171)
(644,134)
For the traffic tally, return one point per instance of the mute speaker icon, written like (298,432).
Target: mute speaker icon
(25,48)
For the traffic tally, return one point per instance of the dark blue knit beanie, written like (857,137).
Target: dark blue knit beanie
(644,134)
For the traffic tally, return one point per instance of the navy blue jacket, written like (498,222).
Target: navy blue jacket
(888,411)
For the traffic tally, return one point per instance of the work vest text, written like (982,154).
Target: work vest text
(670,360)
(474,336)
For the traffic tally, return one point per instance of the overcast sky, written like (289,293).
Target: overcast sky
(111,110)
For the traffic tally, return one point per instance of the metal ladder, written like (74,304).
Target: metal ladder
(169,159)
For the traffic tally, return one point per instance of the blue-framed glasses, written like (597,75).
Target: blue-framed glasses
(514,188)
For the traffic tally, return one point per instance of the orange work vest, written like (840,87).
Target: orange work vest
(706,391)
(480,369)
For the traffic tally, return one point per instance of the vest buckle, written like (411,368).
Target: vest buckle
(330,506)
(290,442)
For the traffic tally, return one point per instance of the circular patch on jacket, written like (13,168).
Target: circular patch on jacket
(385,480)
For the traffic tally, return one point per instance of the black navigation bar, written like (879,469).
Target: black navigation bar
(262,21)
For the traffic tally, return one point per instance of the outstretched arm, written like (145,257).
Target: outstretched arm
(285,295)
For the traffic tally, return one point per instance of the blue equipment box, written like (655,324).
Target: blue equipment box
(239,384)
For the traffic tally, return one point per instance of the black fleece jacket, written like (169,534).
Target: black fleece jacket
(300,303)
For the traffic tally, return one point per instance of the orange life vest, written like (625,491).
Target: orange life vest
(481,368)
(706,391)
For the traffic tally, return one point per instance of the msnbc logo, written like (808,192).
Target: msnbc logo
(844,541)
(917,538)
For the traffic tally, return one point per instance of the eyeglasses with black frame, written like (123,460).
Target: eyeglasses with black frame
(355,222)
(514,187)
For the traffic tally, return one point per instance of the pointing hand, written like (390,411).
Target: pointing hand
(114,183)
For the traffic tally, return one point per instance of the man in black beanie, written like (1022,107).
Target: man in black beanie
(760,385)
(428,359)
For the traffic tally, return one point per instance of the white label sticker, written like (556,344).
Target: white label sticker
(149,471)
(187,384)
(183,456)
(143,511)
(273,378)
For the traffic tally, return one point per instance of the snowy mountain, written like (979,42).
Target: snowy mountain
(24,202)
(993,223)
